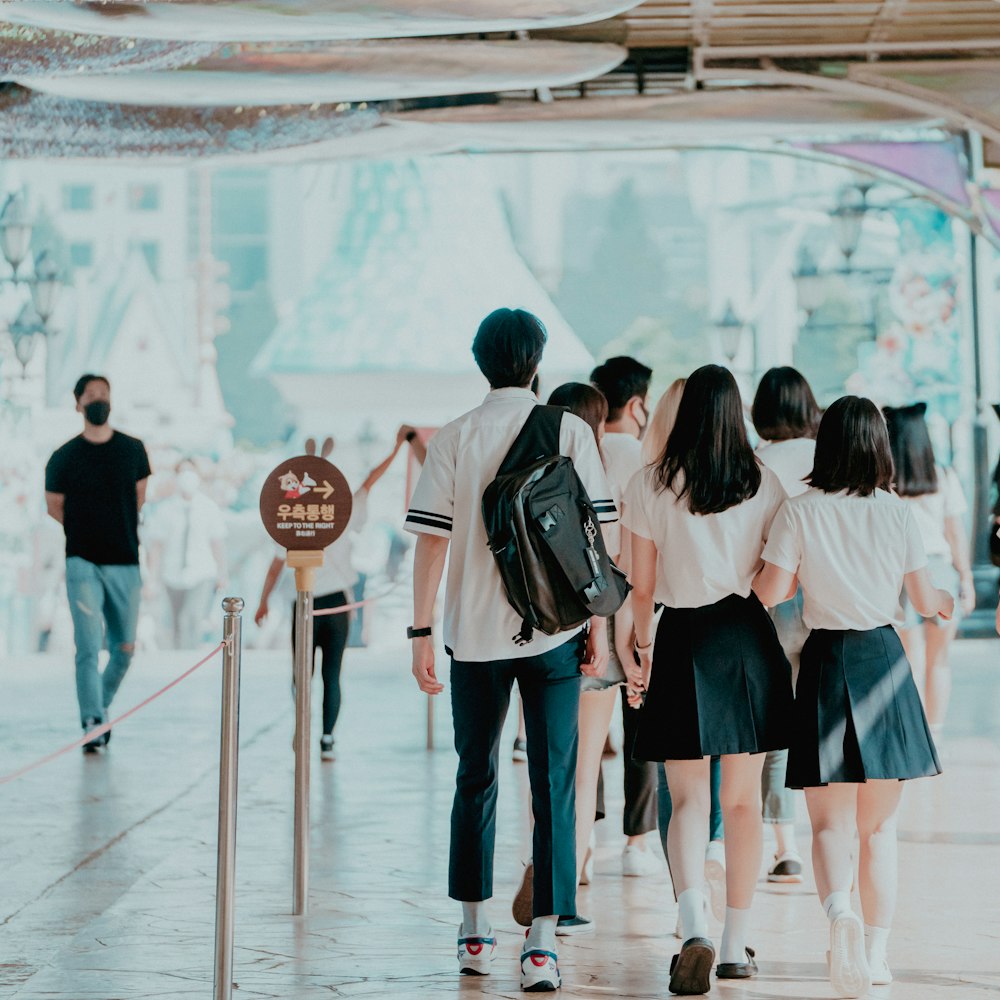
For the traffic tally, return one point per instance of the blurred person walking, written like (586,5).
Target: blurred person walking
(333,587)
(785,415)
(187,555)
(624,382)
(934,494)
(717,681)
(484,638)
(859,728)
(95,485)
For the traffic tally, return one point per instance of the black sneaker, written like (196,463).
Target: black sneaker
(92,746)
(568,926)
(787,867)
(326,747)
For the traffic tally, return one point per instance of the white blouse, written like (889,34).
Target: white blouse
(850,553)
(701,558)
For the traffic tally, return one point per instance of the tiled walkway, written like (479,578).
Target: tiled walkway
(108,862)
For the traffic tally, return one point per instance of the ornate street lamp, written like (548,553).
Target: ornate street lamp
(730,332)
(810,286)
(44,283)
(847,219)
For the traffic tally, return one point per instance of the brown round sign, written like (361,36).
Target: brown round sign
(305,503)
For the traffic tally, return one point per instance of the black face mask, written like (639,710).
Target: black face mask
(97,412)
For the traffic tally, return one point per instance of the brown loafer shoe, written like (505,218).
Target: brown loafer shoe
(521,908)
(691,967)
(738,970)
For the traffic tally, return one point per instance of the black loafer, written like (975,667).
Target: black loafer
(691,967)
(738,970)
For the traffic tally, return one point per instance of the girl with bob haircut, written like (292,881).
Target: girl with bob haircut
(935,496)
(859,729)
(717,681)
(786,416)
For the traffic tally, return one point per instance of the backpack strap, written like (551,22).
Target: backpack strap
(538,438)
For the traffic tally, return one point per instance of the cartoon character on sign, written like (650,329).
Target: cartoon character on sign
(295,487)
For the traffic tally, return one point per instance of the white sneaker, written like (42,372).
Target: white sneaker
(715,878)
(476,953)
(540,971)
(849,972)
(637,862)
(786,867)
(880,972)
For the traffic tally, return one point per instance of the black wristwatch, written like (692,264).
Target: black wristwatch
(416,633)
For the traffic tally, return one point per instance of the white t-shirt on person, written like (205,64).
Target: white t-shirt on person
(462,460)
(701,558)
(791,461)
(622,460)
(931,509)
(850,553)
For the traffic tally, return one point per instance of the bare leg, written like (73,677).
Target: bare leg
(937,678)
(833,813)
(596,710)
(878,806)
(520,717)
(687,837)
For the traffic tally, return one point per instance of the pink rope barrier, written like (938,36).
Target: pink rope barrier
(92,734)
(356,604)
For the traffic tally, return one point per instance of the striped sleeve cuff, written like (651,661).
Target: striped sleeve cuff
(606,511)
(428,523)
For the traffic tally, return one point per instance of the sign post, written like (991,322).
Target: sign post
(305,505)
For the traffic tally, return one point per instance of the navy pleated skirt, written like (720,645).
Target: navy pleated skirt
(720,684)
(857,712)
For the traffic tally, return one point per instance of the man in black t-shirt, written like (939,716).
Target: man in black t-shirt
(94,487)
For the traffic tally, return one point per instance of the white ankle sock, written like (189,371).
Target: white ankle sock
(837,904)
(691,903)
(734,935)
(475,920)
(876,940)
(542,934)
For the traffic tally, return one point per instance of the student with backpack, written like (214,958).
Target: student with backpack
(859,728)
(495,632)
(717,681)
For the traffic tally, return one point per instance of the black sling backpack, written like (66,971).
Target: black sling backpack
(544,534)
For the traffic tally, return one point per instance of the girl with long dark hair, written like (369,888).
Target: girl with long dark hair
(786,416)
(859,728)
(716,680)
(934,494)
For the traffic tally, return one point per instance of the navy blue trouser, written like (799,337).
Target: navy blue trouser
(480,693)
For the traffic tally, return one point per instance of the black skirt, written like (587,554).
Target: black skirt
(857,712)
(720,684)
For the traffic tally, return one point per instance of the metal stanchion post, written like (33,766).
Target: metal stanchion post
(228,759)
(303,681)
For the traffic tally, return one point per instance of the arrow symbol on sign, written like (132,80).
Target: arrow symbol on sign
(325,490)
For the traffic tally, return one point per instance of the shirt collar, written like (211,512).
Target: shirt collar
(509,392)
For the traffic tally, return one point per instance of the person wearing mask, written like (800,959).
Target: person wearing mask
(785,416)
(95,486)
(935,495)
(661,423)
(859,729)
(716,679)
(187,555)
(624,383)
(481,633)
(333,587)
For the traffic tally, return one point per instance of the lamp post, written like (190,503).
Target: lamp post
(847,219)
(729,330)
(811,287)
(44,283)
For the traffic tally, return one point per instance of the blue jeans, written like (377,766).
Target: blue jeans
(666,806)
(104,604)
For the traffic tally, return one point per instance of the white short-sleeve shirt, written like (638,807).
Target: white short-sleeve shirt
(462,460)
(622,460)
(931,509)
(850,553)
(791,461)
(701,558)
